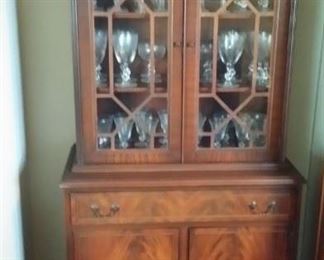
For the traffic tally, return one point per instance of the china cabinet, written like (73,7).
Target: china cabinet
(180,130)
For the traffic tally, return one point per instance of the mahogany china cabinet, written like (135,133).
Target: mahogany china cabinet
(180,131)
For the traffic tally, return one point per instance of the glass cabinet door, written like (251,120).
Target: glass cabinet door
(234,90)
(130,95)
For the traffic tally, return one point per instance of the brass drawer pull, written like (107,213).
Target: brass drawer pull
(253,206)
(114,209)
(190,45)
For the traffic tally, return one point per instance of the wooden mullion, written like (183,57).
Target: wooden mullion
(215,53)
(110,54)
(255,52)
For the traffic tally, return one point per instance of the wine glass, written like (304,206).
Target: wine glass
(206,63)
(125,45)
(163,116)
(202,120)
(231,46)
(124,127)
(264,45)
(242,131)
(159,5)
(101,40)
(242,4)
(216,122)
(144,51)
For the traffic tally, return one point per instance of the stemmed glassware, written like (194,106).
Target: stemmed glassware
(163,116)
(124,127)
(144,51)
(125,45)
(146,125)
(216,122)
(242,4)
(206,63)
(101,40)
(159,5)
(231,46)
(264,45)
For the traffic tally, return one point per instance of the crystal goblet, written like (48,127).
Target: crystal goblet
(163,116)
(125,45)
(101,40)
(242,131)
(124,127)
(146,125)
(202,120)
(216,123)
(264,45)
(159,5)
(206,63)
(144,51)
(231,46)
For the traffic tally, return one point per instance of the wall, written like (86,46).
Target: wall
(12,138)
(305,142)
(45,31)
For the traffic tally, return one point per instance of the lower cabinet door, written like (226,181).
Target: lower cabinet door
(241,243)
(107,244)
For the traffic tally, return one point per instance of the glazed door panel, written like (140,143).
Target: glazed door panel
(112,244)
(239,243)
(130,82)
(235,79)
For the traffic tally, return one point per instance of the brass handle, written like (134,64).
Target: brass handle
(177,44)
(253,206)
(114,209)
(190,45)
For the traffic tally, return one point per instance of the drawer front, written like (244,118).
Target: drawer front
(179,206)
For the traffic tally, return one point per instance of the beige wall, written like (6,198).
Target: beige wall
(45,36)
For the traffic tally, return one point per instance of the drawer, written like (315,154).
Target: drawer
(179,206)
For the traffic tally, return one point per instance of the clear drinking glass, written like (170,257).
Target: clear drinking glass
(159,5)
(105,124)
(125,46)
(216,122)
(206,63)
(231,46)
(264,45)
(264,4)
(124,127)
(163,116)
(144,51)
(101,39)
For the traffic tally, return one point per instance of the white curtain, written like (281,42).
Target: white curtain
(12,142)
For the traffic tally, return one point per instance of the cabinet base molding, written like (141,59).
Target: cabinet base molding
(189,214)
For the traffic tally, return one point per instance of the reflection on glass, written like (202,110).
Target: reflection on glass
(202,121)
(231,46)
(124,127)
(221,137)
(206,63)
(144,51)
(101,46)
(163,116)
(125,45)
